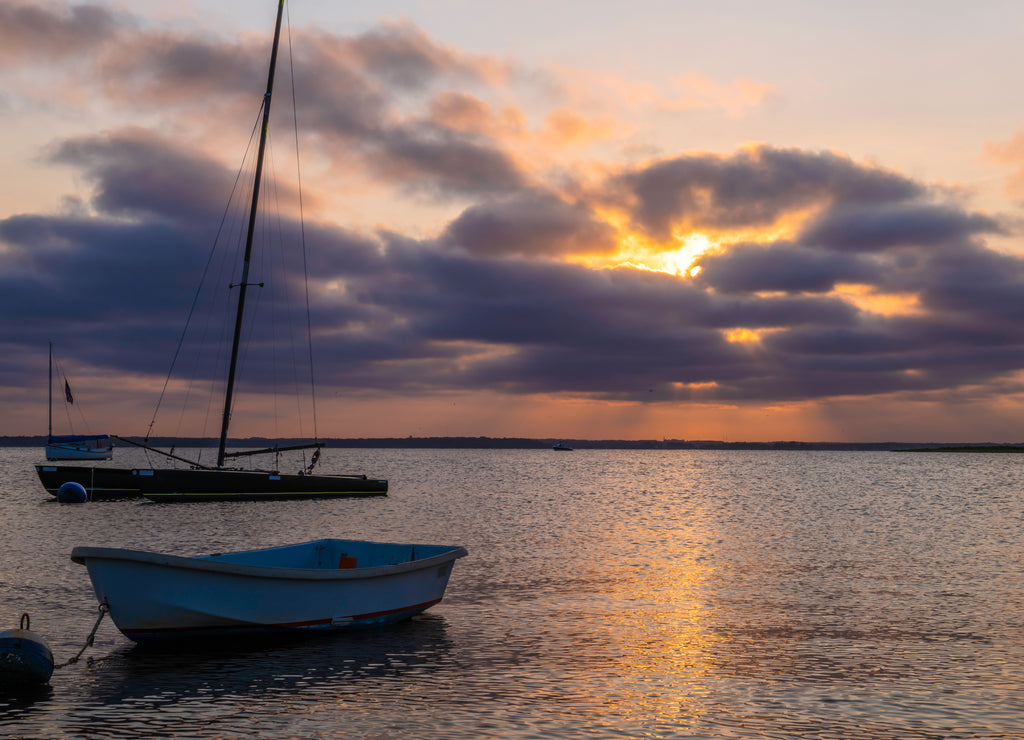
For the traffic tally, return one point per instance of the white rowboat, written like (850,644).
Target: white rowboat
(319,585)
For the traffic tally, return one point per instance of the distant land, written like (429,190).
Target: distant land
(523,443)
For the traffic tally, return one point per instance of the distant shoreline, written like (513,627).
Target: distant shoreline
(968,448)
(523,443)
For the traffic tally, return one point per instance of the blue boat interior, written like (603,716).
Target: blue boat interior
(332,554)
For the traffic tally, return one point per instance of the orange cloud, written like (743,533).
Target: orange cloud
(566,126)
(470,114)
(1010,153)
(602,90)
(871,300)
(695,92)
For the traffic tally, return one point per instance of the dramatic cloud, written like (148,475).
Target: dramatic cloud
(358,101)
(752,188)
(137,173)
(879,227)
(530,224)
(761,322)
(822,276)
(785,267)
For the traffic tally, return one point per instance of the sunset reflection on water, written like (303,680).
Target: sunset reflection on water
(606,594)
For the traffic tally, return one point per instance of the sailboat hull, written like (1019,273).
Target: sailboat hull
(183,486)
(99,482)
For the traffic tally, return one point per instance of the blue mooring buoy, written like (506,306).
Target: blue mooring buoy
(25,658)
(72,493)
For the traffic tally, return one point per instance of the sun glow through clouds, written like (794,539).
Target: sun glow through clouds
(638,252)
(742,335)
(872,301)
(680,262)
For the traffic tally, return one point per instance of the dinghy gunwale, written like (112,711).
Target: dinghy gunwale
(82,554)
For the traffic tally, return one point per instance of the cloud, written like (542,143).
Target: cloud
(31,31)
(751,188)
(403,57)
(496,295)
(138,173)
(353,101)
(785,267)
(476,308)
(176,68)
(682,95)
(469,114)
(874,228)
(695,91)
(440,162)
(98,287)
(568,127)
(530,223)
(1010,153)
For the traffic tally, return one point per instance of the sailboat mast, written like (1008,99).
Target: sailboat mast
(49,416)
(248,242)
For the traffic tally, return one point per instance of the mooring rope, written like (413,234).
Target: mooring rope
(104,609)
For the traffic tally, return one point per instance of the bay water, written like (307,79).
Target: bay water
(607,594)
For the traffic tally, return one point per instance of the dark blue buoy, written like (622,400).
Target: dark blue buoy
(25,658)
(72,493)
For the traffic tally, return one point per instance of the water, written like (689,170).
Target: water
(607,594)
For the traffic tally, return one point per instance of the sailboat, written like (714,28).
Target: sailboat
(201,482)
(73,446)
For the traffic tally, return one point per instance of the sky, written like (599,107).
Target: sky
(739,220)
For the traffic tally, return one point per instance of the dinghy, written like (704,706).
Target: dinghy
(325,584)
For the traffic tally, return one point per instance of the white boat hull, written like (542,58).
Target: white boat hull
(78,452)
(320,585)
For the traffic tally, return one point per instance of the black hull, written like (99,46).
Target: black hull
(182,486)
(100,483)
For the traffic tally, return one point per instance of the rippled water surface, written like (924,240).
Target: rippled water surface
(655,594)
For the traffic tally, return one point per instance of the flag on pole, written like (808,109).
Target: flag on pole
(67,392)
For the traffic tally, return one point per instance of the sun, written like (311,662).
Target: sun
(636,251)
(680,261)
(676,256)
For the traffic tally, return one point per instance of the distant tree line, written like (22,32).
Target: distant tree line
(525,443)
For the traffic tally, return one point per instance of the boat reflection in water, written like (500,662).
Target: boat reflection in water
(285,662)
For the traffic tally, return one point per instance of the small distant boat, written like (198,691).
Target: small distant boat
(325,584)
(73,446)
(79,447)
(562,446)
